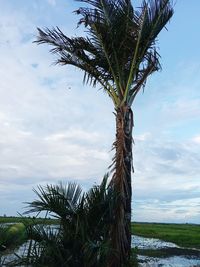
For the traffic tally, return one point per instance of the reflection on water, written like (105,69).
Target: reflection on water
(153,243)
(144,261)
(150,243)
(176,261)
(5,259)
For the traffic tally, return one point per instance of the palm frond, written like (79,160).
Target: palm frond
(81,53)
(119,52)
(82,235)
(153,17)
(59,200)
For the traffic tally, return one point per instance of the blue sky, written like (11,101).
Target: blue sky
(53,128)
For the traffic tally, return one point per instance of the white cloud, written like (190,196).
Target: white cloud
(166,181)
(51,2)
(143,137)
(196,139)
(50,132)
(180,211)
(182,109)
(77,134)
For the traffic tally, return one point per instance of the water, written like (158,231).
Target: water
(21,250)
(144,261)
(176,261)
(5,259)
(153,243)
(150,243)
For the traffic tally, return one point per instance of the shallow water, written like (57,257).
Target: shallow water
(144,261)
(5,259)
(150,243)
(153,243)
(176,261)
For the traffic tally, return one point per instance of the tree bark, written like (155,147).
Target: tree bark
(121,182)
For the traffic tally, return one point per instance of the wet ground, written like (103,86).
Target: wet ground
(13,255)
(153,252)
(150,243)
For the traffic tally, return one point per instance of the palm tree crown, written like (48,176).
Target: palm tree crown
(119,52)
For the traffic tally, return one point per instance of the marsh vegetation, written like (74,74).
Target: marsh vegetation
(154,243)
(183,235)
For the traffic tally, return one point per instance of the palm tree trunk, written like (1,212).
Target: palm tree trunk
(121,182)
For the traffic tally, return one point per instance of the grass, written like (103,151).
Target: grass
(12,236)
(184,235)
(27,220)
(168,252)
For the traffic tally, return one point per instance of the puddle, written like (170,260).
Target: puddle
(8,258)
(150,243)
(144,261)
(175,261)
(154,244)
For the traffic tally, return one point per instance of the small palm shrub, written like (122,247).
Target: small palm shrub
(81,237)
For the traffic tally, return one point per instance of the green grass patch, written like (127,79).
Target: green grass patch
(13,230)
(169,252)
(27,220)
(12,236)
(184,235)
(155,253)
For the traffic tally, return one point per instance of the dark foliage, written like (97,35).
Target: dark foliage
(82,236)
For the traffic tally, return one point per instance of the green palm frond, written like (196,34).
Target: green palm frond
(109,24)
(119,52)
(81,53)
(153,17)
(43,233)
(81,237)
(60,200)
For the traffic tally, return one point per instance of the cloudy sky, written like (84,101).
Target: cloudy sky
(53,128)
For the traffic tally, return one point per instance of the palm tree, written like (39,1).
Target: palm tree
(118,54)
(81,236)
